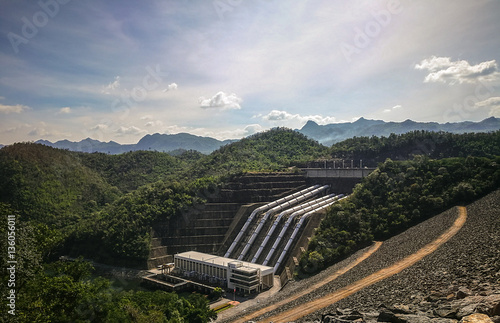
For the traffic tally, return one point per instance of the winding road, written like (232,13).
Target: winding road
(325,301)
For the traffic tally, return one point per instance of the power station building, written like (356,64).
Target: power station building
(235,274)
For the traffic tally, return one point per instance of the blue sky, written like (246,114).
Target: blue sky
(118,70)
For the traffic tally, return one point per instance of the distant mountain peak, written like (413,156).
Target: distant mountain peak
(360,120)
(490,120)
(332,133)
(310,124)
(156,141)
(363,121)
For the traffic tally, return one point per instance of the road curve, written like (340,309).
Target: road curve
(314,287)
(325,301)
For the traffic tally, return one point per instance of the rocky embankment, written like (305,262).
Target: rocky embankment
(461,278)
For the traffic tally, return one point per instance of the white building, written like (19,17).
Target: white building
(242,276)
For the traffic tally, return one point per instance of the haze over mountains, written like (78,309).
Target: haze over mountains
(332,133)
(325,134)
(158,142)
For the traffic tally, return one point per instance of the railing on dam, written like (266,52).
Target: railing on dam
(337,172)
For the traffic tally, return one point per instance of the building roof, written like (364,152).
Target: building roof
(222,261)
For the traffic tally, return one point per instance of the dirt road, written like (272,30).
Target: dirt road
(313,306)
(314,287)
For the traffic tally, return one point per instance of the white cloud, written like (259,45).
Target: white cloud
(233,133)
(493,104)
(251,129)
(170,87)
(40,131)
(392,109)
(65,110)
(283,116)
(156,123)
(170,130)
(442,69)
(99,127)
(132,130)
(111,86)
(44,130)
(222,101)
(434,64)
(8,109)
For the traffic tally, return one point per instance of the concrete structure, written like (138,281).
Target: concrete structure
(337,172)
(242,276)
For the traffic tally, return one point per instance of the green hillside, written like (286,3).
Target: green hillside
(396,196)
(373,150)
(131,170)
(120,233)
(51,186)
(272,150)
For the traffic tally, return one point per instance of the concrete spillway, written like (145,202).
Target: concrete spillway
(312,208)
(280,207)
(270,233)
(263,208)
(297,228)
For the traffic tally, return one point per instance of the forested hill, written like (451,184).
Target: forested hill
(272,150)
(373,150)
(50,185)
(131,170)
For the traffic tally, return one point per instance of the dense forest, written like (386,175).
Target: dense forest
(373,150)
(273,150)
(66,291)
(102,207)
(131,170)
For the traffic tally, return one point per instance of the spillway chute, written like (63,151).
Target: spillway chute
(262,209)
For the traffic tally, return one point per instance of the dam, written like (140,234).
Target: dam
(252,228)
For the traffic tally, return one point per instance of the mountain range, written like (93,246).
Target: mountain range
(332,133)
(158,142)
(324,134)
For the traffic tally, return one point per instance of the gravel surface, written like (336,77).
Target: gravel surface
(470,259)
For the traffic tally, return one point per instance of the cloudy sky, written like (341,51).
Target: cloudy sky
(120,69)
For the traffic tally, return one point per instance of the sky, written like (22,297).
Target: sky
(120,69)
